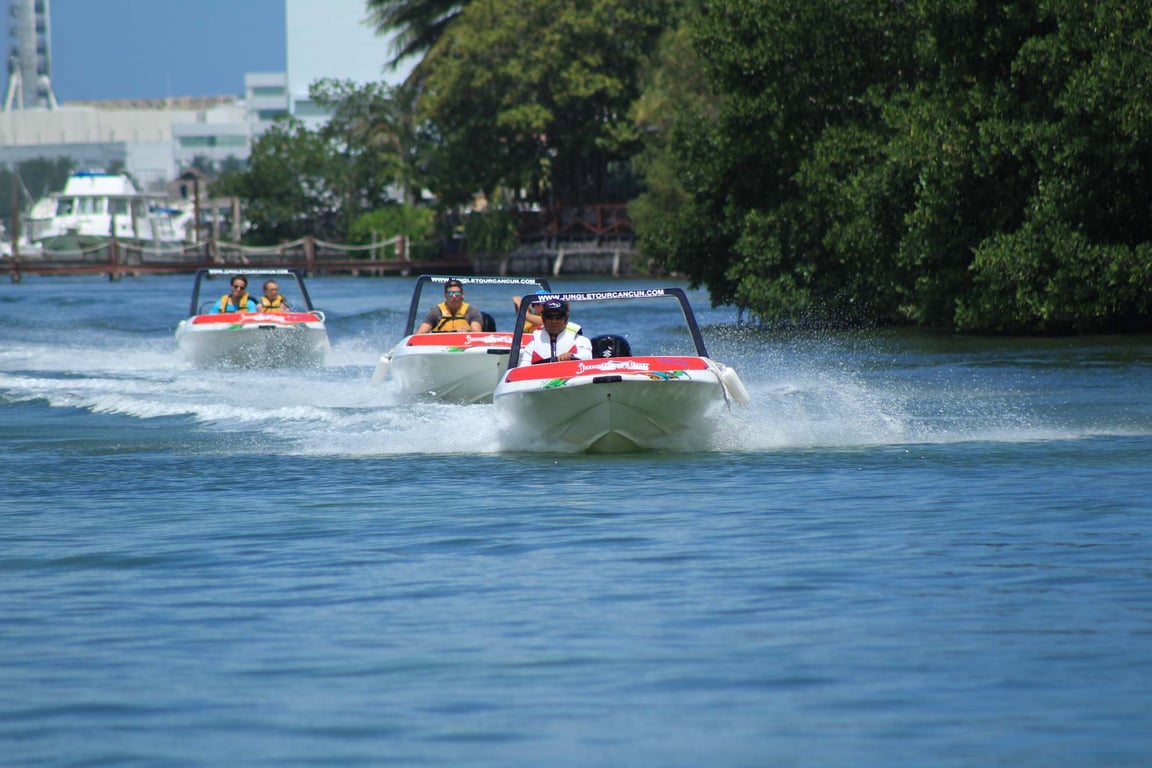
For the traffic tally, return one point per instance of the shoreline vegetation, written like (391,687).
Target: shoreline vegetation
(978,167)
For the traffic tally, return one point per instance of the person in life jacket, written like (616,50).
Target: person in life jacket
(238,299)
(273,300)
(556,341)
(532,320)
(452,314)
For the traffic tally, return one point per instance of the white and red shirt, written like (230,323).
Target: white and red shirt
(544,348)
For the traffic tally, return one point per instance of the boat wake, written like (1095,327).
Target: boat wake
(796,404)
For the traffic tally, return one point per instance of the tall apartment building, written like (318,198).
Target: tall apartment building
(29,56)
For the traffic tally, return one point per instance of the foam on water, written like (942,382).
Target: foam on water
(337,411)
(839,392)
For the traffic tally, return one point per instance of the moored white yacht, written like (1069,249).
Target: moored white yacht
(96,206)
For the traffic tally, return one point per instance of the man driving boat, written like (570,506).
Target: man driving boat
(557,341)
(452,314)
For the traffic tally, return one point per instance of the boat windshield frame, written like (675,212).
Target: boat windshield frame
(608,296)
(423,281)
(208,273)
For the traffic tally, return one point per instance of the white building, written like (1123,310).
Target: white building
(141,135)
(156,139)
(265,99)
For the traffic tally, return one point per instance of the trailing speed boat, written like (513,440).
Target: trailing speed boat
(457,366)
(295,336)
(616,401)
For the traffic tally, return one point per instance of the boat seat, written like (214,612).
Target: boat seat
(611,345)
(489,323)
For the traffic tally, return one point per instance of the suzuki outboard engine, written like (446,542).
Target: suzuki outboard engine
(611,345)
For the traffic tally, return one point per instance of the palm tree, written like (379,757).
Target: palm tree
(417,24)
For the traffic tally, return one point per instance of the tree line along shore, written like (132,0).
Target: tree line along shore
(976,166)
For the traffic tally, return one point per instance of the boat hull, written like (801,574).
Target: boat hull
(612,406)
(448,367)
(254,340)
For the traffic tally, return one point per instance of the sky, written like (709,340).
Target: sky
(136,49)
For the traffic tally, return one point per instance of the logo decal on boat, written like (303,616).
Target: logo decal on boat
(615,365)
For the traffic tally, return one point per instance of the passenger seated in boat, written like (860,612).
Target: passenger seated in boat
(532,320)
(556,341)
(273,300)
(238,300)
(452,314)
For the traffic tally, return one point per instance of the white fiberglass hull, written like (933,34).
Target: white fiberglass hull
(254,340)
(448,367)
(612,406)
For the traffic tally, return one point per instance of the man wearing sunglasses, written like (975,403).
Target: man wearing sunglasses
(557,341)
(452,314)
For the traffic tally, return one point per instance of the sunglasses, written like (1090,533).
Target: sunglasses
(238,286)
(552,316)
(453,293)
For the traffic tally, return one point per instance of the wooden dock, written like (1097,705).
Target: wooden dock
(117,260)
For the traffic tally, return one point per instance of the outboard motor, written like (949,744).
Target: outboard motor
(611,345)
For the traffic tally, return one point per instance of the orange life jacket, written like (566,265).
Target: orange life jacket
(270,305)
(226,301)
(450,322)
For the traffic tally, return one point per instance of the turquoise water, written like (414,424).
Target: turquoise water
(911,550)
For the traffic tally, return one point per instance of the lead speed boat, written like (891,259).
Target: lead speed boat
(295,337)
(459,366)
(620,400)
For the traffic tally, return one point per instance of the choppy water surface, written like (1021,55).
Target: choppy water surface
(911,550)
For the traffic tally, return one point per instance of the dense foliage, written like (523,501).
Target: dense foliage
(970,164)
(532,96)
(977,165)
(320,181)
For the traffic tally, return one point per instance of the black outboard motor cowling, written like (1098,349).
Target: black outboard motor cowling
(611,345)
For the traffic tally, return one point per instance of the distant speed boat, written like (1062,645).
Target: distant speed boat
(455,367)
(294,338)
(617,401)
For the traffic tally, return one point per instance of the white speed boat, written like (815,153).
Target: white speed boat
(292,338)
(617,401)
(459,366)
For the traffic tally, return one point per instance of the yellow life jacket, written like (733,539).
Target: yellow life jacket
(226,299)
(268,305)
(450,322)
